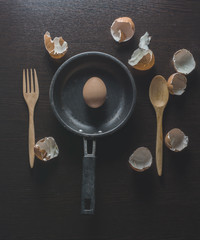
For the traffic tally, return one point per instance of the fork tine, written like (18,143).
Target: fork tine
(32,87)
(36,82)
(27,79)
(24,81)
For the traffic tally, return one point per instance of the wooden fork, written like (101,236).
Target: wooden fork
(31,94)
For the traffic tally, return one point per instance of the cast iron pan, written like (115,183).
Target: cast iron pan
(72,112)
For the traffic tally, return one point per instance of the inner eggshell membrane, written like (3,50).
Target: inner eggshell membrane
(177,83)
(46,149)
(176,140)
(122,29)
(146,62)
(57,47)
(184,61)
(142,58)
(141,159)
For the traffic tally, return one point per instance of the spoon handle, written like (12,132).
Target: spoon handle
(159,141)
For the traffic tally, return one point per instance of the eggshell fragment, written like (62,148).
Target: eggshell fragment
(57,47)
(122,29)
(183,61)
(94,92)
(143,58)
(177,83)
(46,149)
(141,159)
(176,140)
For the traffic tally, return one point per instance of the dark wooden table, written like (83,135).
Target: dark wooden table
(44,203)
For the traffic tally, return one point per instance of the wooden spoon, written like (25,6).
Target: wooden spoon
(159,95)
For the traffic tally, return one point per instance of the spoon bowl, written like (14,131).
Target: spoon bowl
(159,95)
(158,91)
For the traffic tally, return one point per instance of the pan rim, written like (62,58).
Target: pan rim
(92,135)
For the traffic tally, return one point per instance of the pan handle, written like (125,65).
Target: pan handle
(88,179)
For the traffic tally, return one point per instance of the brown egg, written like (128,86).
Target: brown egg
(94,92)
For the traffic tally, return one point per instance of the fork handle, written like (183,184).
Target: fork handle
(31,137)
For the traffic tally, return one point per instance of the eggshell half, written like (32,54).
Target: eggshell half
(57,47)
(122,29)
(183,61)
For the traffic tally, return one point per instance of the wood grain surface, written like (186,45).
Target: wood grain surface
(44,203)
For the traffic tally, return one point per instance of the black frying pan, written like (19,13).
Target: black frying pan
(72,112)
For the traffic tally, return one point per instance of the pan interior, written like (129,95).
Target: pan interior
(67,99)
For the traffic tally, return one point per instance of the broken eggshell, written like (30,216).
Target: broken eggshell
(176,140)
(183,61)
(143,58)
(122,29)
(46,149)
(141,159)
(57,47)
(177,83)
